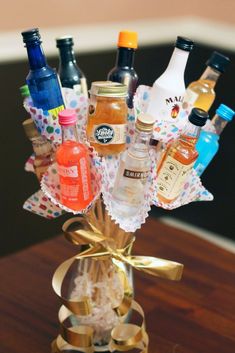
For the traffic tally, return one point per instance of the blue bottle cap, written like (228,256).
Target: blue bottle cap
(225,112)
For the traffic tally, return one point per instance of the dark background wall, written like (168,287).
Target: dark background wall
(20,228)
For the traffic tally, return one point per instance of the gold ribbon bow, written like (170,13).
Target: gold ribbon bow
(124,336)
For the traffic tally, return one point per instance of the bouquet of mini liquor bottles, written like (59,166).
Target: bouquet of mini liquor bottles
(109,158)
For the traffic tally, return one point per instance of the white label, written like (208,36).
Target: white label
(70,192)
(165,104)
(84,86)
(71,172)
(83,173)
(77,89)
(172,177)
(105,134)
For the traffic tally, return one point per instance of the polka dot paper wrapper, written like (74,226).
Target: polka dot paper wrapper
(104,169)
(51,187)
(110,168)
(39,204)
(48,125)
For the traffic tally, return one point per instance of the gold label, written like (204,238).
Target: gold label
(172,177)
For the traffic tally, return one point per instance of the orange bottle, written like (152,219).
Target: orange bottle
(73,165)
(179,158)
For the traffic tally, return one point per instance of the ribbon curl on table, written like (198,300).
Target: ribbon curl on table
(124,336)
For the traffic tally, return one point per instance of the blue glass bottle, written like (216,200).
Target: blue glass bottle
(42,80)
(124,72)
(208,142)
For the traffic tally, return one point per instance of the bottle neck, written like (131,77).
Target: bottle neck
(36,57)
(67,55)
(178,61)
(210,74)
(190,134)
(125,57)
(219,124)
(142,138)
(69,133)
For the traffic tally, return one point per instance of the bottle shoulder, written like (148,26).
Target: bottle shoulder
(202,86)
(43,72)
(120,72)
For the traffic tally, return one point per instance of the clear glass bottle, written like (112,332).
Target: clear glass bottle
(200,93)
(167,92)
(73,165)
(42,80)
(71,75)
(107,119)
(208,143)
(179,158)
(44,152)
(131,180)
(124,71)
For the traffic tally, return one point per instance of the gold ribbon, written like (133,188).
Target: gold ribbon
(124,337)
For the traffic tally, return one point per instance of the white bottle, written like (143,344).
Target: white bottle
(134,169)
(168,90)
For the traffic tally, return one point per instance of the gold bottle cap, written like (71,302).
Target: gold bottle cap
(108,89)
(145,122)
(30,128)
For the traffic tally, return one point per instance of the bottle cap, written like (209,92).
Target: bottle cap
(31,35)
(218,61)
(225,112)
(184,43)
(30,128)
(145,122)
(108,89)
(127,39)
(198,117)
(67,117)
(24,91)
(65,40)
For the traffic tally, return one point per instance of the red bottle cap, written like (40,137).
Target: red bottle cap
(67,117)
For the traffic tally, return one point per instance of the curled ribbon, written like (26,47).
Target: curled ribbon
(124,336)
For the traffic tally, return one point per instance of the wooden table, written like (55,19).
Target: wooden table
(195,315)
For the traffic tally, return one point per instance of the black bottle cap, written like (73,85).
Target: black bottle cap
(198,117)
(31,35)
(65,40)
(184,43)
(218,61)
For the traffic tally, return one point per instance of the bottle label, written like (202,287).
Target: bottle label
(84,178)
(55,111)
(133,174)
(84,86)
(105,134)
(77,89)
(70,192)
(165,105)
(67,172)
(172,177)
(189,100)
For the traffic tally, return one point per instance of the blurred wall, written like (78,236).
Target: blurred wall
(16,15)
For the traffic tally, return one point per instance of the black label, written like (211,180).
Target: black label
(135,174)
(104,134)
